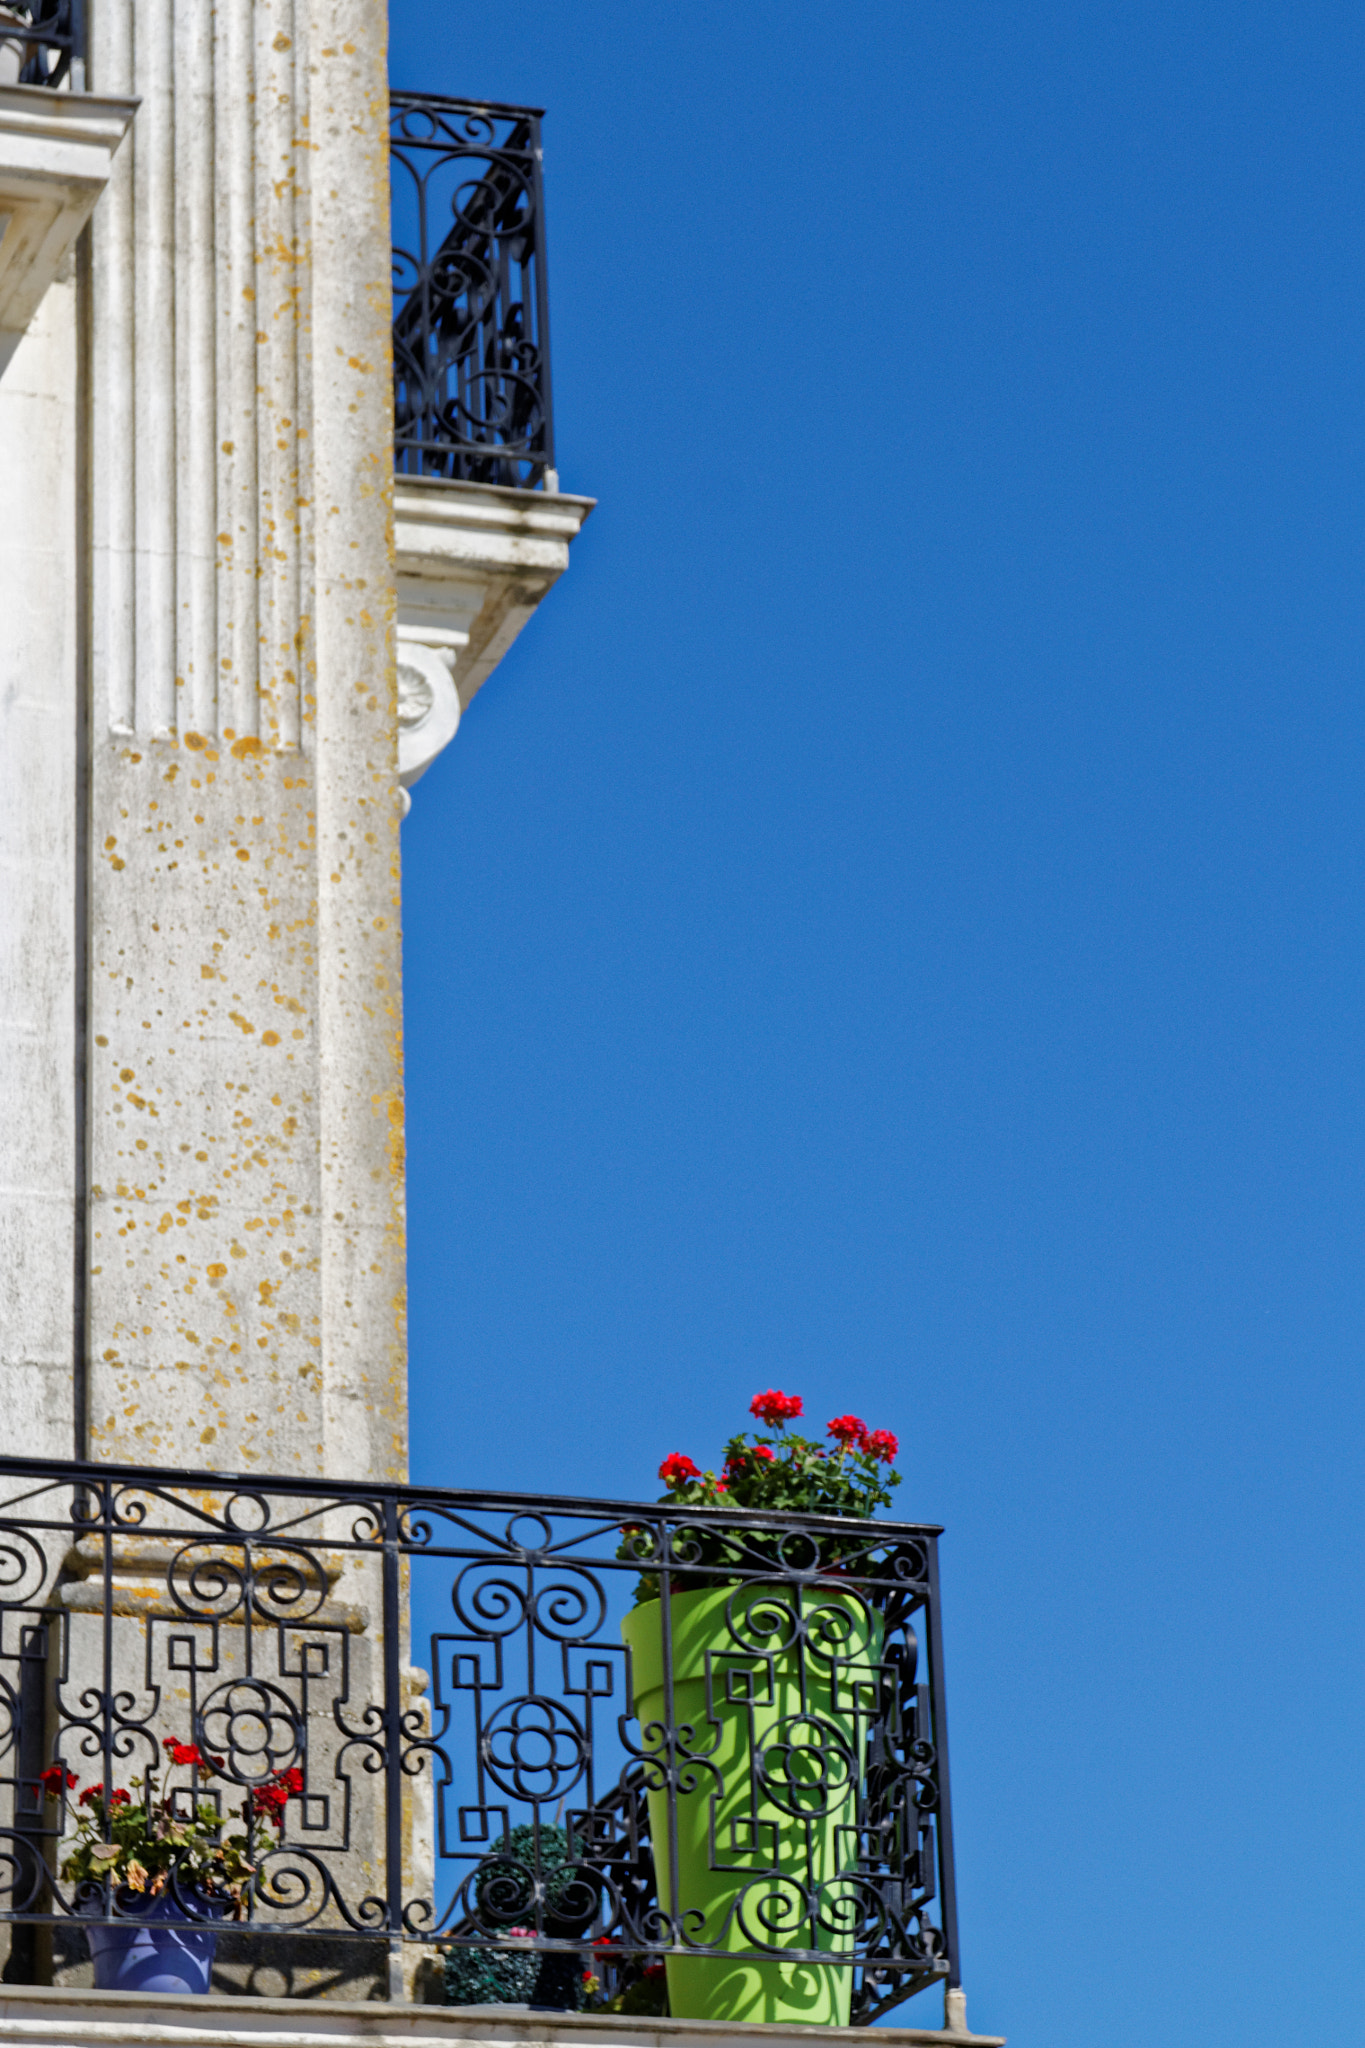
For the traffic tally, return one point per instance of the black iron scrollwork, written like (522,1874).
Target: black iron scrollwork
(471,342)
(40,40)
(263,1625)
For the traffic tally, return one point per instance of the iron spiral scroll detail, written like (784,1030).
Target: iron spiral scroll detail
(517,1795)
(40,41)
(471,323)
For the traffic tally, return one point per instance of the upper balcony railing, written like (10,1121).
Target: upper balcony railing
(471,331)
(42,42)
(750,1761)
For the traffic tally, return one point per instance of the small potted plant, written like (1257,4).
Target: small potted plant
(502,1890)
(772,1683)
(157,1858)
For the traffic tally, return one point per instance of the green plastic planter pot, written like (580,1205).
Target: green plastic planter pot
(776,1790)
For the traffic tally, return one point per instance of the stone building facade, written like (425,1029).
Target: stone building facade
(201,1080)
(229,646)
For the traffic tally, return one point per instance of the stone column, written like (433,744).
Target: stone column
(39,1108)
(56,152)
(202,423)
(245,1293)
(201,1202)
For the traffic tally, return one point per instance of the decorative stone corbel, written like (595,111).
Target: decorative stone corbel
(56,154)
(473,561)
(428,708)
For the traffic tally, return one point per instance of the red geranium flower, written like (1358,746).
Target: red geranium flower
(52,1780)
(677,1469)
(849,1430)
(268,1803)
(269,1800)
(189,1755)
(116,1798)
(775,1408)
(883,1445)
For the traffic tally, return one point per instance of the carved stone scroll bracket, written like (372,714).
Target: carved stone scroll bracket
(473,563)
(428,708)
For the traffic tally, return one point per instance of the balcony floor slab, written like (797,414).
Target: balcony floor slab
(42,2018)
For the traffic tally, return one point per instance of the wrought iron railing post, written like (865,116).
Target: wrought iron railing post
(78,46)
(393,1744)
(671,1728)
(29,1815)
(543,309)
(106,1500)
(947,1874)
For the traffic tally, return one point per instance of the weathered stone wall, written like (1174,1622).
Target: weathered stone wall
(39,893)
(245,1131)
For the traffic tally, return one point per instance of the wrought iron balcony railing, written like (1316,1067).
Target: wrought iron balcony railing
(571,1778)
(42,42)
(471,331)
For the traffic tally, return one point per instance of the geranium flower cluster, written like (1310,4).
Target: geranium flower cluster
(268,1801)
(774,1408)
(118,1797)
(188,1756)
(856,1436)
(677,1470)
(793,1473)
(138,1841)
(640,1988)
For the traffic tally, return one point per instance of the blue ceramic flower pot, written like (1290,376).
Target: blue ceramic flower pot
(136,1953)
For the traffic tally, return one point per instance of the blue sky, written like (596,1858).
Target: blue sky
(892,927)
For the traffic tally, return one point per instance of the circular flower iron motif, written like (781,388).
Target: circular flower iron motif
(806,1768)
(254,1726)
(533,1749)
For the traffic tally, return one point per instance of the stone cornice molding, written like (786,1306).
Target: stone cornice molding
(517,526)
(473,561)
(56,155)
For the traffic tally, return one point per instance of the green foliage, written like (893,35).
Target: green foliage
(800,1476)
(776,1472)
(511,1871)
(139,1841)
(503,1891)
(646,1996)
(142,1844)
(481,1976)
